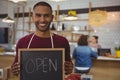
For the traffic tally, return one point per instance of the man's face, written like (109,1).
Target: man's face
(42,16)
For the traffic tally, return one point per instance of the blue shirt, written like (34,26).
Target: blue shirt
(82,56)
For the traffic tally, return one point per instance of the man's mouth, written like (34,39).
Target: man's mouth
(42,24)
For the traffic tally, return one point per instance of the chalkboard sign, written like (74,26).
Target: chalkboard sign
(102,51)
(41,64)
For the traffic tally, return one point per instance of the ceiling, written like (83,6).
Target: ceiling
(77,3)
(68,4)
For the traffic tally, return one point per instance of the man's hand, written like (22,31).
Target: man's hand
(68,67)
(15,68)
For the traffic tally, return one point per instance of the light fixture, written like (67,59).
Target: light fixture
(8,20)
(16,1)
(57,0)
(71,15)
(97,17)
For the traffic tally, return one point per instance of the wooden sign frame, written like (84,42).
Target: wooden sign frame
(41,63)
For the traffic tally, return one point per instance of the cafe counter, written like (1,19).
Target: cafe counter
(105,68)
(6,60)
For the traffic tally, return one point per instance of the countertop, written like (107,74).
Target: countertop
(8,53)
(99,57)
(107,58)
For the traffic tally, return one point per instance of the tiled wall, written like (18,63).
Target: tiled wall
(108,33)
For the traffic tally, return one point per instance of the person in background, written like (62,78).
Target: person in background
(42,37)
(82,55)
(94,43)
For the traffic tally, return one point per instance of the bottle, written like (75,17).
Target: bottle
(63,27)
(85,28)
(53,27)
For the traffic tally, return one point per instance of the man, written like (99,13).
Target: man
(42,37)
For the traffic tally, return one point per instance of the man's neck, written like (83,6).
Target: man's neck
(43,34)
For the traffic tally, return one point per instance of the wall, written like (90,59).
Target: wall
(108,34)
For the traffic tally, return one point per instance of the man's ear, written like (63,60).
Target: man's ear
(33,17)
(52,17)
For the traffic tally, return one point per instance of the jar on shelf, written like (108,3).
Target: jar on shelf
(53,27)
(63,26)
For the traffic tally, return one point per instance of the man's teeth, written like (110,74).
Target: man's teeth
(42,24)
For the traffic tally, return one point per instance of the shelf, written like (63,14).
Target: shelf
(64,20)
(73,31)
(71,20)
(71,35)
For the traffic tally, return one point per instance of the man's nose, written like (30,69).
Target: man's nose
(42,18)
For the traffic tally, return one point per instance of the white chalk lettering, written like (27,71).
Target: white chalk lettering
(45,65)
(38,63)
(30,63)
(41,65)
(52,64)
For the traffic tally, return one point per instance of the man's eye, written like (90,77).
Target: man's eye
(46,15)
(39,15)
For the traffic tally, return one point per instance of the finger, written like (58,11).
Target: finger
(15,68)
(16,71)
(16,64)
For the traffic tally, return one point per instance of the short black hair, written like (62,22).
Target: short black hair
(42,3)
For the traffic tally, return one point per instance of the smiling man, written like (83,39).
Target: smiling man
(42,37)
